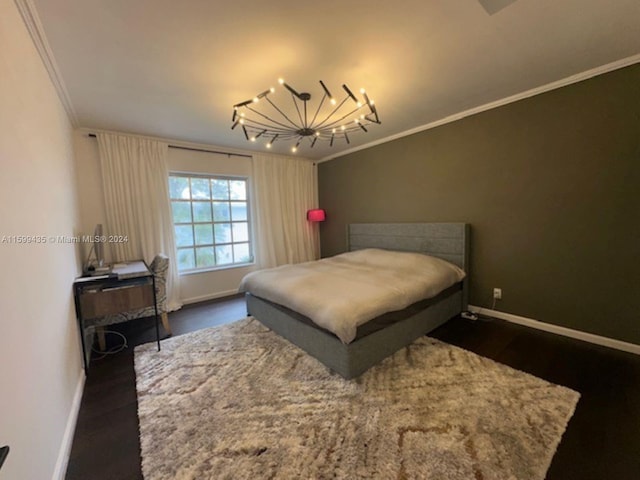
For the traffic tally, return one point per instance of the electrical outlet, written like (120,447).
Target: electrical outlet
(497,293)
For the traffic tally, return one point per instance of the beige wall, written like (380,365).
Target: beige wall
(193,287)
(40,361)
(550,186)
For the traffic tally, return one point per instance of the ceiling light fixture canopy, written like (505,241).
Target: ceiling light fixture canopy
(332,120)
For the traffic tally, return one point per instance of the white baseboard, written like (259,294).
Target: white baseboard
(212,296)
(67,440)
(558,330)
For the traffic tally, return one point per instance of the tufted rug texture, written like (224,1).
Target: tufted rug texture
(239,402)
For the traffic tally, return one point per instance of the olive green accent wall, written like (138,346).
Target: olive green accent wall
(550,186)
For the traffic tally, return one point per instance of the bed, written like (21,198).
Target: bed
(386,334)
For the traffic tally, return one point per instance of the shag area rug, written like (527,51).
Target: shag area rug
(239,402)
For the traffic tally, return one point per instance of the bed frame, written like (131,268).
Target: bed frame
(449,241)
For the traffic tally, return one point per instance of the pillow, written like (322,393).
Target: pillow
(410,261)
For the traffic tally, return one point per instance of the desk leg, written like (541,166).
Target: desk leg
(155,306)
(76,296)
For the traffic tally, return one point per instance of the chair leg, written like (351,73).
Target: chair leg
(102,342)
(165,323)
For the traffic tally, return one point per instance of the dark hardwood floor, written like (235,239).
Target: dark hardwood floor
(602,440)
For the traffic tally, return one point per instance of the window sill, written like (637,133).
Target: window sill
(216,269)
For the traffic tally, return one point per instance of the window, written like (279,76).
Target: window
(211,221)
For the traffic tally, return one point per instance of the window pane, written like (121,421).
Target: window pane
(238,189)
(223,232)
(221,212)
(184,235)
(179,187)
(220,189)
(238,211)
(204,234)
(241,253)
(185,259)
(181,212)
(224,255)
(200,188)
(205,257)
(241,232)
(201,211)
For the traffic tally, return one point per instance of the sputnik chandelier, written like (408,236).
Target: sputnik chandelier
(332,120)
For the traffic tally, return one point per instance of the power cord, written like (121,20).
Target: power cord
(478,315)
(113,350)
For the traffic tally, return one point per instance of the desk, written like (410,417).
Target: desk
(123,288)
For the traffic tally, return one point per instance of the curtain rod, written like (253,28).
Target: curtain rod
(193,149)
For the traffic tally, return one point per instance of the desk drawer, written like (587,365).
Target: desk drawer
(115,300)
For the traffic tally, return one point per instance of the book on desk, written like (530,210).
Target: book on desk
(119,270)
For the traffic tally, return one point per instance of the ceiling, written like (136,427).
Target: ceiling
(174,69)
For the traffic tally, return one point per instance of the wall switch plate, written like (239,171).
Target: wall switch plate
(497,293)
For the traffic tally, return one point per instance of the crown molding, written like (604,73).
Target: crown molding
(579,77)
(32,21)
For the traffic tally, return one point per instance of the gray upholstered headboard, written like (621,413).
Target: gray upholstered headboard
(449,241)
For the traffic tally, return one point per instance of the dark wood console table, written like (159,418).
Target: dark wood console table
(123,288)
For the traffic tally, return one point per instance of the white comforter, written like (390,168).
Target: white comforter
(339,293)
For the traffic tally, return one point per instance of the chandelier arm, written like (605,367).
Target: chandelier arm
(328,134)
(258,127)
(281,135)
(293,98)
(271,119)
(305,115)
(319,107)
(281,113)
(270,126)
(321,124)
(334,122)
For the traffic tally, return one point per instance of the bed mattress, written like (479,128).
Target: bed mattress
(380,322)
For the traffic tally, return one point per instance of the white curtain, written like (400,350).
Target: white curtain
(135,177)
(284,188)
